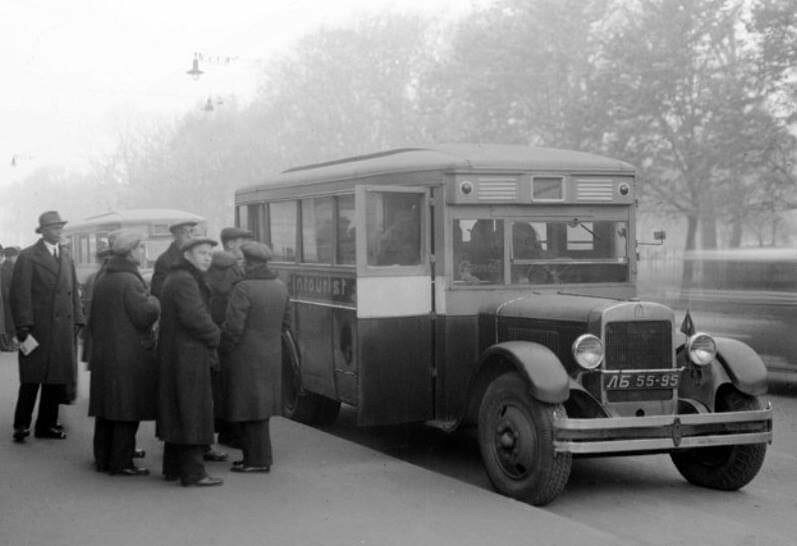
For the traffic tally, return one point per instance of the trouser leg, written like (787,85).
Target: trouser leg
(256,443)
(26,400)
(192,469)
(123,442)
(102,443)
(171,460)
(50,399)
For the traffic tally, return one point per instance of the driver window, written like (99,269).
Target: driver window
(393,225)
(479,251)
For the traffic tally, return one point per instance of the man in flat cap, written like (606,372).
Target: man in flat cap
(187,343)
(182,232)
(45,305)
(251,348)
(225,270)
(123,364)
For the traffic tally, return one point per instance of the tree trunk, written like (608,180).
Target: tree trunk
(736,232)
(708,231)
(691,235)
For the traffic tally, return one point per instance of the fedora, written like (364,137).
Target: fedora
(49,218)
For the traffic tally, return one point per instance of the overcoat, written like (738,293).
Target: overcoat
(224,272)
(257,314)
(123,364)
(87,295)
(44,298)
(6,272)
(187,343)
(163,265)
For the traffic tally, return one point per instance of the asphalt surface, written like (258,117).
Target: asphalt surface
(322,490)
(387,485)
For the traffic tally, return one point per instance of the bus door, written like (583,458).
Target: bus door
(394,305)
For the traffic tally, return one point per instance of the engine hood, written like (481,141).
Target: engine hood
(559,307)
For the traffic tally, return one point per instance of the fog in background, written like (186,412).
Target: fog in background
(699,95)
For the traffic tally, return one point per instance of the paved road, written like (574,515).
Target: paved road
(641,499)
(394,485)
(323,490)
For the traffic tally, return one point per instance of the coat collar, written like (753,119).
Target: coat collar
(259,271)
(119,264)
(192,270)
(42,256)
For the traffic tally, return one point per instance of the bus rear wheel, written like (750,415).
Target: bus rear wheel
(727,468)
(516,442)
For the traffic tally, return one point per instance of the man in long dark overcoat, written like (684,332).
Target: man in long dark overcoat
(45,305)
(123,363)
(187,343)
(182,232)
(257,314)
(225,271)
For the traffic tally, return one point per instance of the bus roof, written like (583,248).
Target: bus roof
(448,157)
(133,216)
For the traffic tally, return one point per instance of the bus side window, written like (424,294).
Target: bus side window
(479,251)
(346,230)
(393,224)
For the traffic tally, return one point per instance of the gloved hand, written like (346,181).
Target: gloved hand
(22,333)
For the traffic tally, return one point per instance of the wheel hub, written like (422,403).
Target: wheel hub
(514,442)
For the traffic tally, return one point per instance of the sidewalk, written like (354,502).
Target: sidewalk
(321,490)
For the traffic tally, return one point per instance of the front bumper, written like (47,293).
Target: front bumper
(662,432)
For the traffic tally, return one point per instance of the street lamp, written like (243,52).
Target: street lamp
(195,72)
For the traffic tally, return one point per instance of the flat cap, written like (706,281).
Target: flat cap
(125,240)
(229,233)
(254,251)
(182,223)
(191,243)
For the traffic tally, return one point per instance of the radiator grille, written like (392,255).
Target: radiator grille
(638,345)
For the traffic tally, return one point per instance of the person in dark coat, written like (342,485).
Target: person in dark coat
(6,272)
(45,305)
(187,343)
(182,232)
(251,349)
(123,388)
(102,255)
(226,269)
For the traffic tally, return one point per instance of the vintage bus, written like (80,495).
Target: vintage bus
(91,234)
(494,286)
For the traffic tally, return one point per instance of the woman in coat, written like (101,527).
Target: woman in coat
(123,365)
(187,343)
(257,313)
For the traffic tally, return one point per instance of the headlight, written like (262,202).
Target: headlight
(588,351)
(701,348)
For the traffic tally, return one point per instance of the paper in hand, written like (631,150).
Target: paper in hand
(29,345)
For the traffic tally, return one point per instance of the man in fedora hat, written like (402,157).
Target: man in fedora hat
(45,304)
(182,232)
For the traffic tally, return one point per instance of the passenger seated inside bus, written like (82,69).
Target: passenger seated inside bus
(479,251)
(394,228)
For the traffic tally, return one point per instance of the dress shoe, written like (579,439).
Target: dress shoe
(207,481)
(215,456)
(51,433)
(250,469)
(130,471)
(59,426)
(139,453)
(239,462)
(20,434)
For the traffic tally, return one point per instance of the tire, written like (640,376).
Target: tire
(327,410)
(516,442)
(723,467)
(303,406)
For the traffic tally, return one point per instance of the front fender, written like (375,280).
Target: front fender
(743,365)
(546,374)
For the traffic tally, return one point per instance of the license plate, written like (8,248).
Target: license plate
(642,380)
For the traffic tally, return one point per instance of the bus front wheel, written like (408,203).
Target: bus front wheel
(516,442)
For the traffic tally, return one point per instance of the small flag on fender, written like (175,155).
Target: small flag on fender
(687,326)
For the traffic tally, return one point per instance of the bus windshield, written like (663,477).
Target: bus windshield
(539,251)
